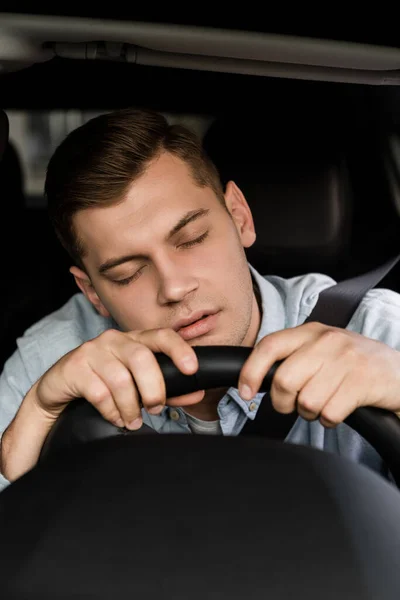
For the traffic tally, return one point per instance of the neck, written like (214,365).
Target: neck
(206,410)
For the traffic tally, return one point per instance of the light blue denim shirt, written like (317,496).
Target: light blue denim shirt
(285,303)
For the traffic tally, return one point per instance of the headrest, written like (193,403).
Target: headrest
(295,180)
(11,182)
(4,130)
(391,165)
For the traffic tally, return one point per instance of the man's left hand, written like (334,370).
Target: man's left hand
(327,373)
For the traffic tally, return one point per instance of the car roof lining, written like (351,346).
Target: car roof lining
(28,39)
(372,29)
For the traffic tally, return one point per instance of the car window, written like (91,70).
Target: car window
(35,134)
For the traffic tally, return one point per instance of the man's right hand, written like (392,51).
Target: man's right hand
(117,372)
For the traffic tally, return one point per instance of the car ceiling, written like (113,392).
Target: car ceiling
(27,39)
(198,67)
(361,31)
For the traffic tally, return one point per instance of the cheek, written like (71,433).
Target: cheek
(120,304)
(227,254)
(224,248)
(132,313)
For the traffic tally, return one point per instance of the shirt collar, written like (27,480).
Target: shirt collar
(273,309)
(272,319)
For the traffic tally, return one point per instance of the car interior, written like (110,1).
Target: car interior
(311,138)
(306,121)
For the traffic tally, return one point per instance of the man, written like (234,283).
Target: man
(158,253)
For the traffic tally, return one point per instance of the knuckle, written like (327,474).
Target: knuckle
(98,394)
(350,352)
(306,403)
(79,357)
(108,336)
(278,404)
(141,355)
(330,417)
(154,396)
(316,326)
(120,378)
(331,336)
(152,400)
(283,382)
(334,337)
(85,348)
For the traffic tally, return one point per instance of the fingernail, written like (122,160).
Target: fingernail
(136,424)
(245,392)
(119,423)
(155,410)
(189,362)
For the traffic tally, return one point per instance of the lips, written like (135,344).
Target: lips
(197,316)
(201,327)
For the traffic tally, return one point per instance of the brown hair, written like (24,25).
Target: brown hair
(96,163)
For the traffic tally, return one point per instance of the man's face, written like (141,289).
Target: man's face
(169,277)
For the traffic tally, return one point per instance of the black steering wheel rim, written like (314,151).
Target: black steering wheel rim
(219,366)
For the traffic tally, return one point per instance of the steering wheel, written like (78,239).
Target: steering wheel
(174,515)
(219,366)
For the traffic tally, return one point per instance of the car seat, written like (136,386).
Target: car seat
(316,191)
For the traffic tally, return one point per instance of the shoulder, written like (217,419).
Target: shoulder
(378,316)
(300,294)
(41,346)
(47,340)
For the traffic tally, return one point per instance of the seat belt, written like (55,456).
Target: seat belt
(335,307)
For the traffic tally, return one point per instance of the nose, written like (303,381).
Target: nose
(174,283)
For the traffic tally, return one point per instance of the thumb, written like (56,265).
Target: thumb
(187,399)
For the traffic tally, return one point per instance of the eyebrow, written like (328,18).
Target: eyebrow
(187,218)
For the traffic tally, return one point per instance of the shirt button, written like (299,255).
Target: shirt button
(174,415)
(253,406)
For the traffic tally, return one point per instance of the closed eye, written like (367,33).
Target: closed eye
(129,279)
(196,241)
(189,244)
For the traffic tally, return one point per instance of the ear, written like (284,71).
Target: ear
(241,214)
(83,282)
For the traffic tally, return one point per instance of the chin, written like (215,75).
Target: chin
(214,340)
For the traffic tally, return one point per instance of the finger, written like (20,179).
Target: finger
(148,378)
(306,380)
(187,399)
(136,351)
(121,385)
(95,391)
(345,400)
(169,342)
(317,392)
(270,349)
(287,385)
